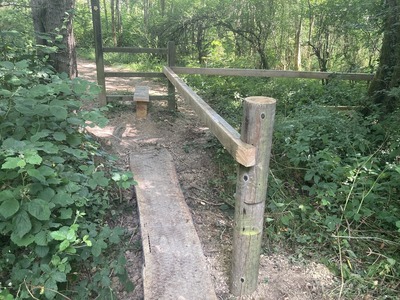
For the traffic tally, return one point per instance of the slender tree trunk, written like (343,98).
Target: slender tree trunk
(53,18)
(310,31)
(199,44)
(388,73)
(297,41)
(162,8)
(106,15)
(119,22)
(146,6)
(113,25)
(263,57)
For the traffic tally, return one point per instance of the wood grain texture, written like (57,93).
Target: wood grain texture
(141,98)
(242,152)
(174,263)
(251,193)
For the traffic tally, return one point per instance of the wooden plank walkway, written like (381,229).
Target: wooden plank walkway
(174,263)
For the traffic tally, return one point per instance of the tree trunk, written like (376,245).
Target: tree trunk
(162,8)
(113,25)
(297,41)
(106,15)
(146,8)
(201,54)
(388,73)
(53,18)
(263,57)
(119,22)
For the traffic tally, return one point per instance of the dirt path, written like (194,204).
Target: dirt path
(188,142)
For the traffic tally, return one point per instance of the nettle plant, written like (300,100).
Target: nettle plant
(54,199)
(345,176)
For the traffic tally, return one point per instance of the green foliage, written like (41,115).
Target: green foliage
(333,187)
(55,200)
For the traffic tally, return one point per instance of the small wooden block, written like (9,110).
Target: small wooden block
(141,97)
(141,110)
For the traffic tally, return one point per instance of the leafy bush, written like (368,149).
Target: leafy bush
(56,187)
(334,178)
(341,195)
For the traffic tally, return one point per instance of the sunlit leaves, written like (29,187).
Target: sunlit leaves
(43,155)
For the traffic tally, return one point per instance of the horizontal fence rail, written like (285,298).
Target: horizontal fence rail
(273,73)
(135,50)
(242,152)
(134,74)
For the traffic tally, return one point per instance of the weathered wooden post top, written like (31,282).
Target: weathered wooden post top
(251,193)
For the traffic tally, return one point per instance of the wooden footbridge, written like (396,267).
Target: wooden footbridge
(174,264)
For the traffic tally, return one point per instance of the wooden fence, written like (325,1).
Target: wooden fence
(274,73)
(169,52)
(251,149)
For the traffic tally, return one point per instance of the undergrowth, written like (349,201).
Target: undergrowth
(334,177)
(58,190)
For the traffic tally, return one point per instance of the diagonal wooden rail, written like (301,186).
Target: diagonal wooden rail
(242,152)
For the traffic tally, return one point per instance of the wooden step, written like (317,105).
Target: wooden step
(141,98)
(174,263)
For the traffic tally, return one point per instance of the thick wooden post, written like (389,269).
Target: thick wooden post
(101,80)
(251,192)
(171,57)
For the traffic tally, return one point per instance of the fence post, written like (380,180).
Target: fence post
(171,57)
(251,192)
(101,80)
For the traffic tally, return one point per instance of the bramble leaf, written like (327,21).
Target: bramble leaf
(50,288)
(59,136)
(64,245)
(22,224)
(39,209)
(59,112)
(9,208)
(36,174)
(41,238)
(42,251)
(22,241)
(13,163)
(58,235)
(32,157)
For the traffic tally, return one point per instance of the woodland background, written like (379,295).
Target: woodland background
(335,175)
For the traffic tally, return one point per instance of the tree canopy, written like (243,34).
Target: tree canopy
(333,193)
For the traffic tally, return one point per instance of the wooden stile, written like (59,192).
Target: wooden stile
(141,98)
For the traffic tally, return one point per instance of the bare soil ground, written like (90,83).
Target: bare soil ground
(188,141)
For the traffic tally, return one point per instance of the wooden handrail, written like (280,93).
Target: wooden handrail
(273,73)
(242,152)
